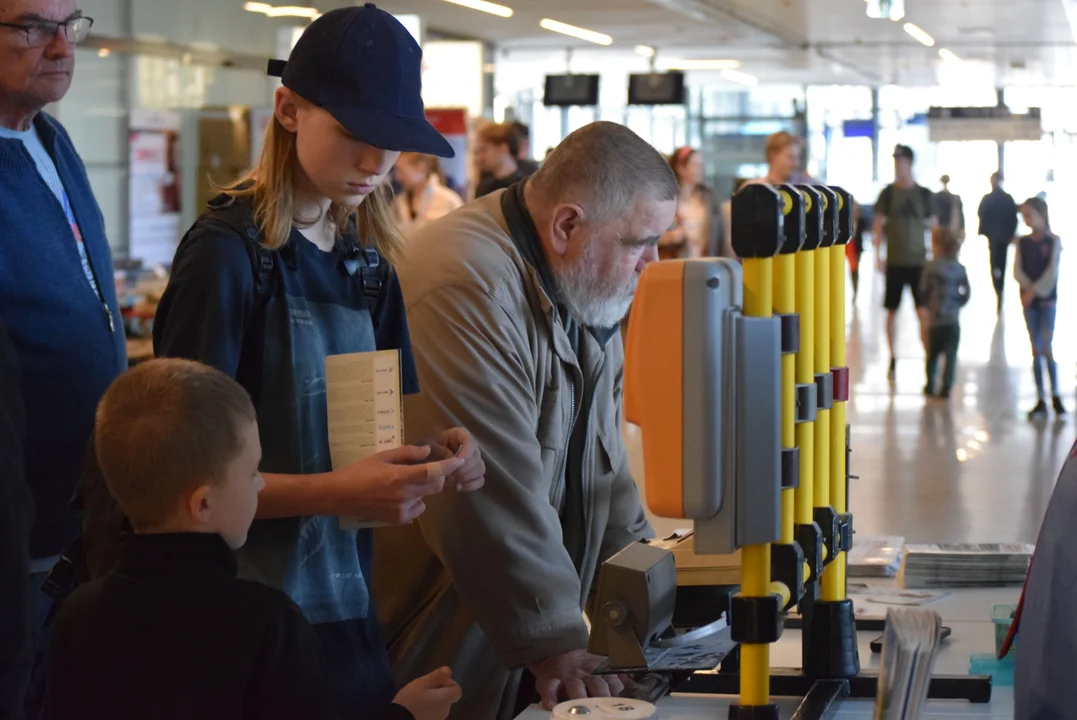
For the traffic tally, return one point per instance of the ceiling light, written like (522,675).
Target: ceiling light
(699,64)
(104,52)
(645,50)
(576,32)
(483,6)
(740,78)
(948,56)
(919,34)
(282,10)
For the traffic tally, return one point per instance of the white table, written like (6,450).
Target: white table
(966,612)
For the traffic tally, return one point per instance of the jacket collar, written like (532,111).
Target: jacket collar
(171,555)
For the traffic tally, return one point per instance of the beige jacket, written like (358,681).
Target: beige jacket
(483,581)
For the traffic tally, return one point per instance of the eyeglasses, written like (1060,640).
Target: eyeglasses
(41,32)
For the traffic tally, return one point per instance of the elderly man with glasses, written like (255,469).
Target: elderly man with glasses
(57,296)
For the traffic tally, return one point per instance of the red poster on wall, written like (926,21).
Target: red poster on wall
(452,123)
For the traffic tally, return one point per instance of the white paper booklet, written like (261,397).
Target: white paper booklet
(364,408)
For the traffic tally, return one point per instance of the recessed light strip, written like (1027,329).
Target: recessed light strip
(282,10)
(483,6)
(645,50)
(700,64)
(576,32)
(948,56)
(919,34)
(741,78)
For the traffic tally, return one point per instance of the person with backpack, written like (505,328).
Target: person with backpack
(950,209)
(289,266)
(903,213)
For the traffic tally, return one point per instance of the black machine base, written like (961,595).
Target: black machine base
(830,642)
(821,697)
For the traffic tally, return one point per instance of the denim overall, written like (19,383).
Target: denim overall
(319,565)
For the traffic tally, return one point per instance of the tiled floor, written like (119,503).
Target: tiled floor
(970,469)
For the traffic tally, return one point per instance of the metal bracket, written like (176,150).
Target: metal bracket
(790,468)
(807,403)
(787,567)
(825,384)
(827,520)
(790,333)
(810,540)
(624,648)
(756,620)
(845,532)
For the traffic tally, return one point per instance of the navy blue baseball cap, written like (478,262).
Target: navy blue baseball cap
(365,69)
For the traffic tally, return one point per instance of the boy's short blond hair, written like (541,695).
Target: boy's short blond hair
(163,429)
(946,241)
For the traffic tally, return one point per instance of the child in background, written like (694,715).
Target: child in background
(944,290)
(171,632)
(1035,267)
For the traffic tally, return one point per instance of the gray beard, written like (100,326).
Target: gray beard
(590,298)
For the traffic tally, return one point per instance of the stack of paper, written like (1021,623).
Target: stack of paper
(965,565)
(875,556)
(909,646)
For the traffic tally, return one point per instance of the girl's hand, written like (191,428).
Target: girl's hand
(390,486)
(1027,296)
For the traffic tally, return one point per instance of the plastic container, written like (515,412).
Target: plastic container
(1001,671)
(1002,616)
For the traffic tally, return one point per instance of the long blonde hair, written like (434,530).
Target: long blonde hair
(270,186)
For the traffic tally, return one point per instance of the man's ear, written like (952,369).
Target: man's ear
(286,109)
(199,505)
(564,222)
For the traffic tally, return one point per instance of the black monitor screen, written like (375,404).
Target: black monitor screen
(656,89)
(564,90)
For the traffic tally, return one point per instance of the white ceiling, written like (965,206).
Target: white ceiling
(1009,42)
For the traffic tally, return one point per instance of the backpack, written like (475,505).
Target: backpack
(93,555)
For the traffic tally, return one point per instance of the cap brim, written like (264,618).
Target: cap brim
(392,132)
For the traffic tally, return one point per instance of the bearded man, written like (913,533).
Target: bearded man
(513,305)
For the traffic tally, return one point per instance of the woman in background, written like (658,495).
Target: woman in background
(698,228)
(1035,266)
(423,197)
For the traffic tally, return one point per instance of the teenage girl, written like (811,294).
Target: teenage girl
(289,266)
(1036,268)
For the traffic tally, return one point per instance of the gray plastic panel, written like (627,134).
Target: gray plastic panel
(824,382)
(758,431)
(718,534)
(712,289)
(807,400)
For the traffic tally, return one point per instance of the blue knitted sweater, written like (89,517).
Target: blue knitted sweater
(69,343)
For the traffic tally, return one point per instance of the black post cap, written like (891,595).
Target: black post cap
(813,217)
(758,222)
(847,220)
(793,210)
(830,215)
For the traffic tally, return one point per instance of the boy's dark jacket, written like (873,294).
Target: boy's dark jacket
(171,633)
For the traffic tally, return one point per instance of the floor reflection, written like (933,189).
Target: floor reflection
(968,469)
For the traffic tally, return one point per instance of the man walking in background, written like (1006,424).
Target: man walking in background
(950,209)
(57,295)
(998,223)
(903,213)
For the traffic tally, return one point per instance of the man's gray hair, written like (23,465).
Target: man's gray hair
(606,168)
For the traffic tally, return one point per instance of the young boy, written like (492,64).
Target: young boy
(944,290)
(171,632)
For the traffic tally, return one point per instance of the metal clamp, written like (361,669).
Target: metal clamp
(790,468)
(790,333)
(825,384)
(827,520)
(845,532)
(810,540)
(807,403)
(756,620)
(787,567)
